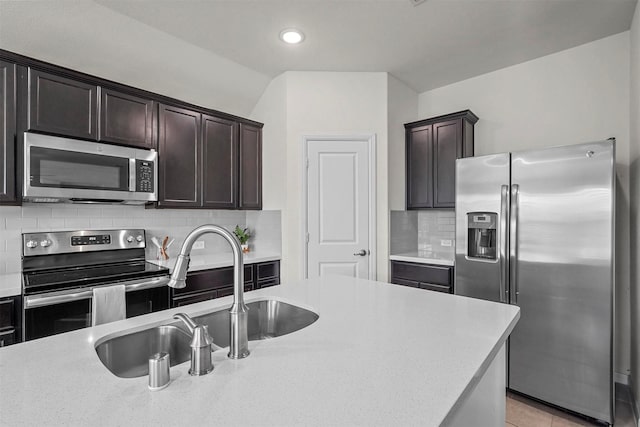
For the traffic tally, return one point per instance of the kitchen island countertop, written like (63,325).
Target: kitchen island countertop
(377,355)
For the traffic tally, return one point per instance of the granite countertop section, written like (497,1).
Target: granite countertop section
(425,257)
(10,284)
(378,355)
(209,261)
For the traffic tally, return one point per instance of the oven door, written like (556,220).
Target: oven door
(44,320)
(62,169)
(57,312)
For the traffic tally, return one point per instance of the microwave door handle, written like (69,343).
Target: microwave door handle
(132,174)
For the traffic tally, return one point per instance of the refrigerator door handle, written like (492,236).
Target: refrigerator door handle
(513,244)
(504,263)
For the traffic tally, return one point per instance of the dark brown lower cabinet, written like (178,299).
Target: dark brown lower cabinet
(10,320)
(217,283)
(424,276)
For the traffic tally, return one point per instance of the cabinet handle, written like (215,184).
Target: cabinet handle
(361,252)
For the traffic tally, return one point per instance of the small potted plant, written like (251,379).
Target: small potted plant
(243,235)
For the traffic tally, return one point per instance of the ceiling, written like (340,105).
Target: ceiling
(433,44)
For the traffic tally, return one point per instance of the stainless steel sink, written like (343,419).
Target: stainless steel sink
(267,319)
(127,356)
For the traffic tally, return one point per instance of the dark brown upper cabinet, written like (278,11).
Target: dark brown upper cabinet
(179,151)
(7,132)
(62,106)
(432,147)
(219,163)
(207,161)
(250,167)
(126,119)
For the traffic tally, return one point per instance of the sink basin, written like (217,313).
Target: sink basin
(127,356)
(267,319)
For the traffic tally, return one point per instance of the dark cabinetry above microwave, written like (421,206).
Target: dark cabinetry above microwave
(216,164)
(73,108)
(432,147)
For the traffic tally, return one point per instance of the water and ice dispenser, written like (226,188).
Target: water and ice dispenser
(481,234)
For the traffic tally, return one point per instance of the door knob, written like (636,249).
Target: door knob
(362,252)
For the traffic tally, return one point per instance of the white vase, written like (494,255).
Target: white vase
(245,248)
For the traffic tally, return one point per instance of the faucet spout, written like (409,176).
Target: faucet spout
(239,313)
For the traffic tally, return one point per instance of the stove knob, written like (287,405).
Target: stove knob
(139,239)
(32,244)
(129,239)
(45,243)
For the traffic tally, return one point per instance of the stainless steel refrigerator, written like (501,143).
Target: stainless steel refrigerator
(536,229)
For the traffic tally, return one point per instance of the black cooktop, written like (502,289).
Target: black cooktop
(78,277)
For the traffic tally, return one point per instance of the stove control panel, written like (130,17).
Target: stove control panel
(48,243)
(99,239)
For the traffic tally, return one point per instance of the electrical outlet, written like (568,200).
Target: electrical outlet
(446,242)
(199,244)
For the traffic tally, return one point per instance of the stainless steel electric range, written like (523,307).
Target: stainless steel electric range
(61,269)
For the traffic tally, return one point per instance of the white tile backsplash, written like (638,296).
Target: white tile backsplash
(15,220)
(422,231)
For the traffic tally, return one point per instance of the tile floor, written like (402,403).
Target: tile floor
(522,412)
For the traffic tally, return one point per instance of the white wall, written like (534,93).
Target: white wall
(271,110)
(634,203)
(298,104)
(402,108)
(577,95)
(88,37)
(328,103)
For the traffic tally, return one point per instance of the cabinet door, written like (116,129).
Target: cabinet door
(219,163)
(419,153)
(447,147)
(250,167)
(147,301)
(62,106)
(126,119)
(178,155)
(7,131)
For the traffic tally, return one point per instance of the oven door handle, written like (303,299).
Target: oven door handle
(33,301)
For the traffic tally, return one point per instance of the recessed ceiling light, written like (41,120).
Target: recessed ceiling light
(291,36)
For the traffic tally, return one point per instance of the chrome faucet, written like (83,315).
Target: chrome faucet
(201,362)
(239,313)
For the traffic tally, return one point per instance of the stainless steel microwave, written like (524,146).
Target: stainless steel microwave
(69,170)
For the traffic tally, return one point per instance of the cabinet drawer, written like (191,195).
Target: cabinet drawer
(438,275)
(7,310)
(434,287)
(403,282)
(194,298)
(7,338)
(229,291)
(212,279)
(270,282)
(268,270)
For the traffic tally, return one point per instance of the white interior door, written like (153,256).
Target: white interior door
(339,193)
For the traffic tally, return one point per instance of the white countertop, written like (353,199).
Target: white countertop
(10,284)
(425,257)
(378,355)
(209,261)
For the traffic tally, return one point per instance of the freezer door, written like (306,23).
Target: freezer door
(481,188)
(562,276)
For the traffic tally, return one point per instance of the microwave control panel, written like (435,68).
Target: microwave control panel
(144,176)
